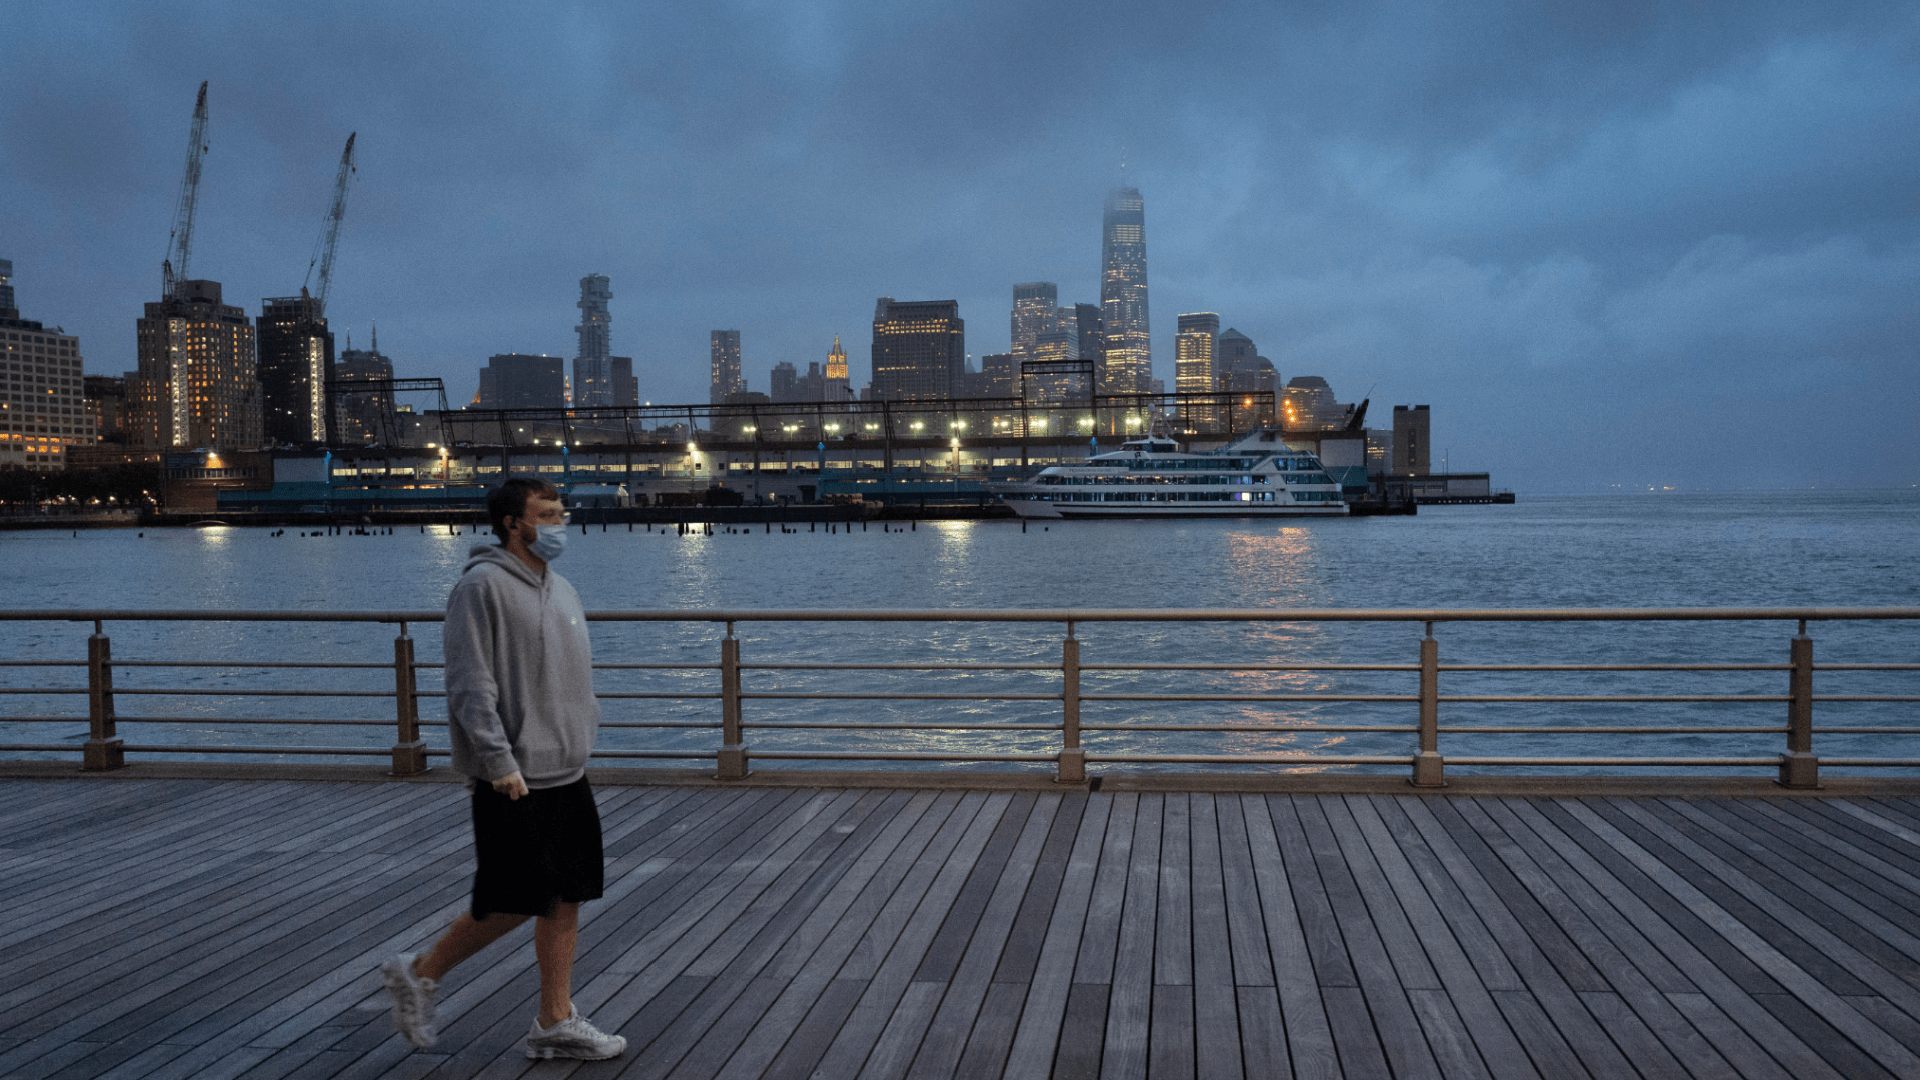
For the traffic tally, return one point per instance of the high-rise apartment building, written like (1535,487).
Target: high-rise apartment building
(1127,359)
(1087,324)
(1412,440)
(780,382)
(361,418)
(1193,366)
(106,405)
(626,385)
(837,384)
(520,381)
(43,408)
(296,360)
(998,377)
(198,383)
(593,382)
(919,349)
(726,367)
(1036,311)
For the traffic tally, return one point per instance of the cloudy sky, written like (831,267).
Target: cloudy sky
(1611,243)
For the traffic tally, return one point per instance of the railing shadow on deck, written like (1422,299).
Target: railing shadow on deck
(1406,727)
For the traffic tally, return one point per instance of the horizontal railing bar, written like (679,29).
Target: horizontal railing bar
(1053,615)
(247,664)
(1249,697)
(1617,699)
(678,754)
(1616,667)
(245,720)
(1248,759)
(1866,731)
(1766,762)
(892,755)
(44,719)
(621,694)
(1246,667)
(900,667)
(828,696)
(709,725)
(1864,697)
(634,667)
(43,663)
(118,690)
(1450,729)
(776,725)
(1866,667)
(174,748)
(41,690)
(1870,763)
(52,748)
(1289,728)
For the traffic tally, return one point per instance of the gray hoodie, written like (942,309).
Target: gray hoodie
(519,673)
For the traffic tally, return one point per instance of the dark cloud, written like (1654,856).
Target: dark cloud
(1621,243)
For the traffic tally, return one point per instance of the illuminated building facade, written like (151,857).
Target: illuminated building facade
(593,381)
(726,367)
(296,359)
(1193,366)
(839,385)
(1127,358)
(1036,311)
(198,384)
(361,419)
(998,377)
(1307,404)
(42,393)
(1239,368)
(919,350)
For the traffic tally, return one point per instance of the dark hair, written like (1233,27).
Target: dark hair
(510,500)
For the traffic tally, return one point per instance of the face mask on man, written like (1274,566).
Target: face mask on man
(550,543)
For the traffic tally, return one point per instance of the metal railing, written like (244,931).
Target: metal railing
(1058,741)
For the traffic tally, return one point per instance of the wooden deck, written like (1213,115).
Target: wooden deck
(193,928)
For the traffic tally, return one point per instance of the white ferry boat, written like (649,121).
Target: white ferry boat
(1256,475)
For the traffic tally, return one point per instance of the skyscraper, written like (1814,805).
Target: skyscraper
(43,408)
(626,386)
(593,366)
(726,367)
(1093,344)
(368,416)
(1193,373)
(919,349)
(838,385)
(1128,357)
(296,360)
(197,385)
(520,381)
(1036,311)
(780,382)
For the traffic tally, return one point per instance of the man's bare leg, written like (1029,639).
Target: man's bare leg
(554,940)
(465,937)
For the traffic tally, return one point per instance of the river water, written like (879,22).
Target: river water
(1645,550)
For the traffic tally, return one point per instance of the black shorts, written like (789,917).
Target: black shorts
(537,851)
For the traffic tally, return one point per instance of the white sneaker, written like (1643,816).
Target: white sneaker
(412,1001)
(573,1037)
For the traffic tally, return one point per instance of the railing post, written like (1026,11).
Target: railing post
(1429,769)
(102,750)
(409,750)
(1798,767)
(733,751)
(1073,760)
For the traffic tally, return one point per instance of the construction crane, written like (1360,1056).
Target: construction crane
(330,233)
(173,269)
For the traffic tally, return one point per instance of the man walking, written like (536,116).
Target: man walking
(522,718)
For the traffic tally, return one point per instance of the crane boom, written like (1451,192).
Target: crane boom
(330,231)
(180,240)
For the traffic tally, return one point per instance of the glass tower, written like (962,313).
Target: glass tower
(725,350)
(593,366)
(1127,363)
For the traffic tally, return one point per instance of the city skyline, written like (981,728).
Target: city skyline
(1609,247)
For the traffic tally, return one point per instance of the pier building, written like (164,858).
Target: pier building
(43,410)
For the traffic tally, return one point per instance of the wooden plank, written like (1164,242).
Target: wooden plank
(1866,862)
(1829,1006)
(1469,931)
(1030,925)
(1083,1035)
(993,1032)
(1846,1056)
(801,1054)
(1470,1008)
(1808,862)
(1603,867)
(1630,961)
(950,943)
(1362,1057)
(887,994)
(1170,1050)
(1215,1005)
(1746,1056)
(1549,991)
(1404,948)
(894,888)
(1216,1031)
(893,1050)
(1044,1012)
(1648,1054)
(1263,1036)
(1173,907)
(1309,1035)
(1394,1023)
(1247,933)
(1130,997)
(966,991)
(1100,936)
(1327,962)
